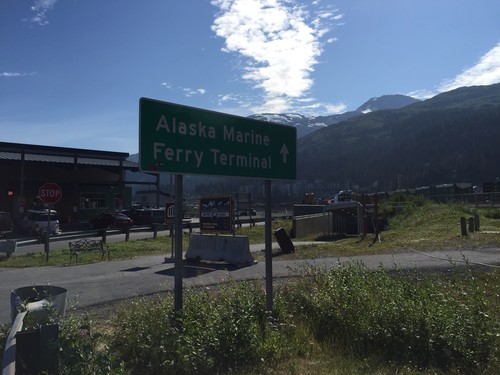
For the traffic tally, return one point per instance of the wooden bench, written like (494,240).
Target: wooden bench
(85,246)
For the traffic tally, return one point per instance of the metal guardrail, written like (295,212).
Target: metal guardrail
(43,302)
(73,235)
(9,354)
(65,236)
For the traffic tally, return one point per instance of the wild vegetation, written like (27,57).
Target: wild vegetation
(349,319)
(346,320)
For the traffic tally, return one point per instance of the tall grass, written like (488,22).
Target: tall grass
(451,324)
(217,332)
(420,223)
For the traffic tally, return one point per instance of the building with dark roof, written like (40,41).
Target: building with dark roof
(91,181)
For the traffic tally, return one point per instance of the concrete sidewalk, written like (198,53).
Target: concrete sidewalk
(99,283)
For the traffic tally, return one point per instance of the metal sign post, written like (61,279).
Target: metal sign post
(170,220)
(46,237)
(268,246)
(178,244)
(185,140)
(49,193)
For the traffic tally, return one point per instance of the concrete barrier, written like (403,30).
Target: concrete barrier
(312,225)
(220,248)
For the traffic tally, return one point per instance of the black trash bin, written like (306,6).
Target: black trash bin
(284,241)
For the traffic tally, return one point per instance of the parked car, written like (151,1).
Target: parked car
(6,226)
(148,216)
(110,220)
(36,222)
(250,212)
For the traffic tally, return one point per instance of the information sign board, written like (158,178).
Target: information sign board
(169,212)
(215,214)
(186,140)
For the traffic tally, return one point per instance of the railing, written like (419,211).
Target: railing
(66,236)
(9,354)
(43,302)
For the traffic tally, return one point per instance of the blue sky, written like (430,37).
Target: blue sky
(72,71)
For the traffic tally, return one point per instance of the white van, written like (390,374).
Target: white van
(37,222)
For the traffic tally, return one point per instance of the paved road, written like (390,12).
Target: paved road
(103,282)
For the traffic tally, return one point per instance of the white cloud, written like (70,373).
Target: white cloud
(40,8)
(15,74)
(191,92)
(485,72)
(317,108)
(421,94)
(188,92)
(336,108)
(11,74)
(280,42)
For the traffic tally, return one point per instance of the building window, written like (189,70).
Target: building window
(92,200)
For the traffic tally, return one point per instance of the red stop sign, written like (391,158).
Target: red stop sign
(50,193)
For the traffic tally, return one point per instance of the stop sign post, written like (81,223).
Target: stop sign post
(50,193)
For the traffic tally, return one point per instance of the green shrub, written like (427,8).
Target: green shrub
(402,320)
(221,331)
(403,204)
(491,213)
(84,349)
(4,333)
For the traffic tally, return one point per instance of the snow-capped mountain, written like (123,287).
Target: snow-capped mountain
(386,102)
(309,124)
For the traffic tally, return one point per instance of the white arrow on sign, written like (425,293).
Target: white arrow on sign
(284,152)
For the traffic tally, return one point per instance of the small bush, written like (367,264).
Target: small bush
(491,213)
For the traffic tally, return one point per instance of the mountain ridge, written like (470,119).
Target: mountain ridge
(308,124)
(452,137)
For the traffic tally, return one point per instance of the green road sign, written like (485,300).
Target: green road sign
(185,140)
